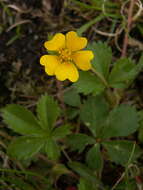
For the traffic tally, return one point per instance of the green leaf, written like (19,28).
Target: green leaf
(88,83)
(94,113)
(86,174)
(52,149)
(138,68)
(21,120)
(85,185)
(24,148)
(83,171)
(48,111)
(140,134)
(140,131)
(123,71)
(122,152)
(72,112)
(102,58)
(72,98)
(79,141)
(122,121)
(94,158)
(61,131)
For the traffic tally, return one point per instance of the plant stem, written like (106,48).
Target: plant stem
(129,23)
(101,78)
(112,96)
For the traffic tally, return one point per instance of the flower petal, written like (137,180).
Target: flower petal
(74,43)
(50,62)
(56,43)
(82,59)
(67,71)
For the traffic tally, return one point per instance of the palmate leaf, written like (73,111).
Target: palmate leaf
(122,152)
(102,58)
(72,98)
(52,149)
(79,141)
(61,131)
(124,71)
(94,113)
(25,147)
(94,158)
(21,120)
(85,173)
(38,135)
(88,83)
(47,111)
(122,121)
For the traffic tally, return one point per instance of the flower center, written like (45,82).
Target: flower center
(65,55)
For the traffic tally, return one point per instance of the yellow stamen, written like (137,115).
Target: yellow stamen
(65,55)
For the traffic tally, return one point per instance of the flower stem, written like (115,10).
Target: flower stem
(101,78)
(112,96)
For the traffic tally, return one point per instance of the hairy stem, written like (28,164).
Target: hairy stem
(129,23)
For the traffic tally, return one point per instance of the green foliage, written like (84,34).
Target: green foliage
(47,111)
(94,158)
(123,72)
(140,132)
(88,83)
(72,98)
(86,174)
(106,118)
(61,131)
(40,133)
(21,120)
(83,171)
(94,112)
(52,149)
(25,147)
(72,112)
(122,121)
(85,185)
(122,152)
(102,58)
(79,141)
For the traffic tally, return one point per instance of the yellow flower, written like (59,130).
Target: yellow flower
(68,56)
